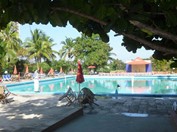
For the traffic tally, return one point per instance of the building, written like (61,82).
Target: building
(139,65)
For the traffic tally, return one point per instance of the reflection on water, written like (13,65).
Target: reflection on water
(139,86)
(106,86)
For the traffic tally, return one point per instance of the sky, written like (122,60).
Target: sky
(59,34)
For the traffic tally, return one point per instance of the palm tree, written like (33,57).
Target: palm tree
(68,49)
(40,46)
(10,42)
(110,56)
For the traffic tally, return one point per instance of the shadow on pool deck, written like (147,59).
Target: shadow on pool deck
(109,118)
(119,123)
(38,112)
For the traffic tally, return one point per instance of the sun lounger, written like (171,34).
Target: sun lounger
(4,93)
(86,96)
(69,96)
(42,76)
(15,78)
(27,76)
(6,77)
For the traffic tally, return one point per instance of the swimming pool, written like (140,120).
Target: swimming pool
(129,85)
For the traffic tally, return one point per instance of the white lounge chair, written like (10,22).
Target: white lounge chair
(6,77)
(70,96)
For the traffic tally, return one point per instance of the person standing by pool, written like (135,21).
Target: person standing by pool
(36,81)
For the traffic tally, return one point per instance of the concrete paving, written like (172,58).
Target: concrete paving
(118,123)
(33,113)
(109,117)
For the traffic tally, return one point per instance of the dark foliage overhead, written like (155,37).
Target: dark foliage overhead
(148,23)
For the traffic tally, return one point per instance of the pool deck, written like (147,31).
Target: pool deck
(126,114)
(38,112)
(35,113)
(41,79)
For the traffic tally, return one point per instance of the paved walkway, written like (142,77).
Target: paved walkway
(109,116)
(150,105)
(32,113)
(35,112)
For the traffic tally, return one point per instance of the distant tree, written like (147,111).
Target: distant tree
(67,49)
(10,44)
(117,65)
(65,64)
(40,46)
(161,65)
(92,50)
(44,65)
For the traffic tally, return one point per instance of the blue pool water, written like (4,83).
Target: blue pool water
(160,85)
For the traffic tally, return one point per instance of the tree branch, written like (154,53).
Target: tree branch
(155,31)
(135,23)
(153,46)
(80,14)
